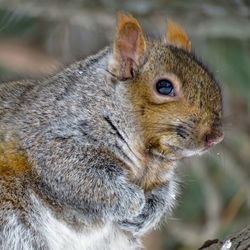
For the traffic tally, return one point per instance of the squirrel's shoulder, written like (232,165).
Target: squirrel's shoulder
(87,65)
(12,91)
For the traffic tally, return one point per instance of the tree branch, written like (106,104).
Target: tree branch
(236,241)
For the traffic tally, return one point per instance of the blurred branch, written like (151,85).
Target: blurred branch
(212,209)
(214,221)
(24,59)
(233,208)
(77,13)
(233,169)
(193,236)
(152,241)
(58,11)
(237,241)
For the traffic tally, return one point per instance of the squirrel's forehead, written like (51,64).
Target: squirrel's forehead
(169,56)
(184,64)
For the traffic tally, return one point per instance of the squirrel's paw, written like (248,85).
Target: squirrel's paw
(131,201)
(140,224)
(151,214)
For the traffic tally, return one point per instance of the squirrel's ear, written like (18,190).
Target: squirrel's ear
(129,48)
(176,36)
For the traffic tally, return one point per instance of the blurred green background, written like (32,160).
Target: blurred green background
(38,37)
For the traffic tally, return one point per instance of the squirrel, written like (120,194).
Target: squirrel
(88,156)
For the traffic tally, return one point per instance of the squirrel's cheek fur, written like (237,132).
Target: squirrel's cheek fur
(175,127)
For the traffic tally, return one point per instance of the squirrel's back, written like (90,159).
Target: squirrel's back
(12,93)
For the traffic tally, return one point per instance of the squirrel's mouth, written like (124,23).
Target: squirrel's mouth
(174,153)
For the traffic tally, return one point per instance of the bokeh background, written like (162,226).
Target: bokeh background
(38,37)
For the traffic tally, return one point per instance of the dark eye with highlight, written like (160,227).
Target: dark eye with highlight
(165,87)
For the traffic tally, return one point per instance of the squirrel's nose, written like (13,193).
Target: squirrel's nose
(213,139)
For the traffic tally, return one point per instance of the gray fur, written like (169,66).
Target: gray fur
(75,128)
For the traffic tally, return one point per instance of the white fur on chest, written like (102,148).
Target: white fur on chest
(61,236)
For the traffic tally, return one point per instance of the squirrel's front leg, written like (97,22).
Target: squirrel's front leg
(126,200)
(104,192)
(85,179)
(158,202)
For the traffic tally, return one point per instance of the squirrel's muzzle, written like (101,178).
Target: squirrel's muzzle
(212,139)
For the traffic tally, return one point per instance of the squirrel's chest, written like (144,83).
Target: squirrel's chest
(60,236)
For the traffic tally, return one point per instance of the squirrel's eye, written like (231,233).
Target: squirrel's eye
(165,87)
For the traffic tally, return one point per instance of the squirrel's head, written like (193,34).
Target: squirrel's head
(177,102)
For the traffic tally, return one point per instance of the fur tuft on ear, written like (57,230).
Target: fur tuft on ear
(176,36)
(129,48)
